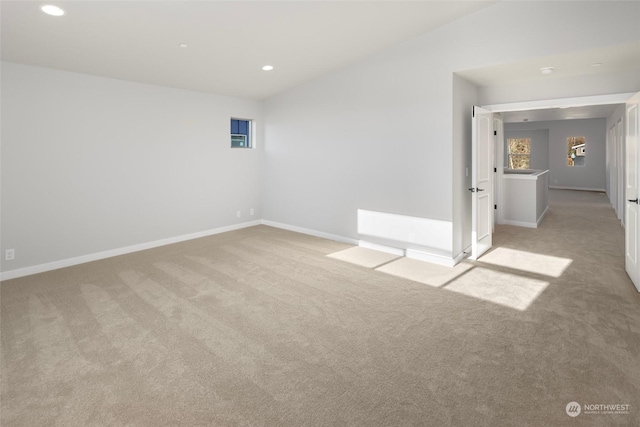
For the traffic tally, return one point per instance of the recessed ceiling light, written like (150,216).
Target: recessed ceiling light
(566,118)
(546,70)
(183,45)
(52,10)
(596,64)
(563,108)
(267,67)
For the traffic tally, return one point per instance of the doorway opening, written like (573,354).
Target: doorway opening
(527,114)
(621,157)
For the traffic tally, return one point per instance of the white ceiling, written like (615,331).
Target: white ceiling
(612,59)
(229,41)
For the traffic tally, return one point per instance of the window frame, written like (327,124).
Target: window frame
(511,155)
(249,136)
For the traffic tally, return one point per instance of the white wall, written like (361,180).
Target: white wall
(539,146)
(591,176)
(91,164)
(359,139)
(379,134)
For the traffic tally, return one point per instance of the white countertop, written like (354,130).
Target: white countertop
(523,173)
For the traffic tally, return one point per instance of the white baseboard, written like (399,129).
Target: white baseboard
(55,265)
(528,224)
(415,254)
(521,223)
(434,259)
(310,232)
(556,187)
(381,248)
(542,216)
(462,255)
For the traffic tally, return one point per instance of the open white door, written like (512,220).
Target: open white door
(631,191)
(481,181)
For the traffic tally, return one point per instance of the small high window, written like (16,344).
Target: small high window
(241,133)
(519,153)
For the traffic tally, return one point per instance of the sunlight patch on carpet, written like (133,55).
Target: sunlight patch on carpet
(498,287)
(546,265)
(424,272)
(363,257)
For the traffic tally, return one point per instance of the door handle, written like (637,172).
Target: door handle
(634,201)
(473,190)
(479,189)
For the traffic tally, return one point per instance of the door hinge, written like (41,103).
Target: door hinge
(495,206)
(495,169)
(495,132)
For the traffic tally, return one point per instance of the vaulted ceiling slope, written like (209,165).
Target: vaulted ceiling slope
(228,41)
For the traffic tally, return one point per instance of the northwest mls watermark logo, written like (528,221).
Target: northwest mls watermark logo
(574,409)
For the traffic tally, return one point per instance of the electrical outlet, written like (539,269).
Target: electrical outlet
(9,254)
(238,214)
(251,211)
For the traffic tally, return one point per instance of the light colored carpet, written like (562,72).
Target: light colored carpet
(260,327)
(363,257)
(424,272)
